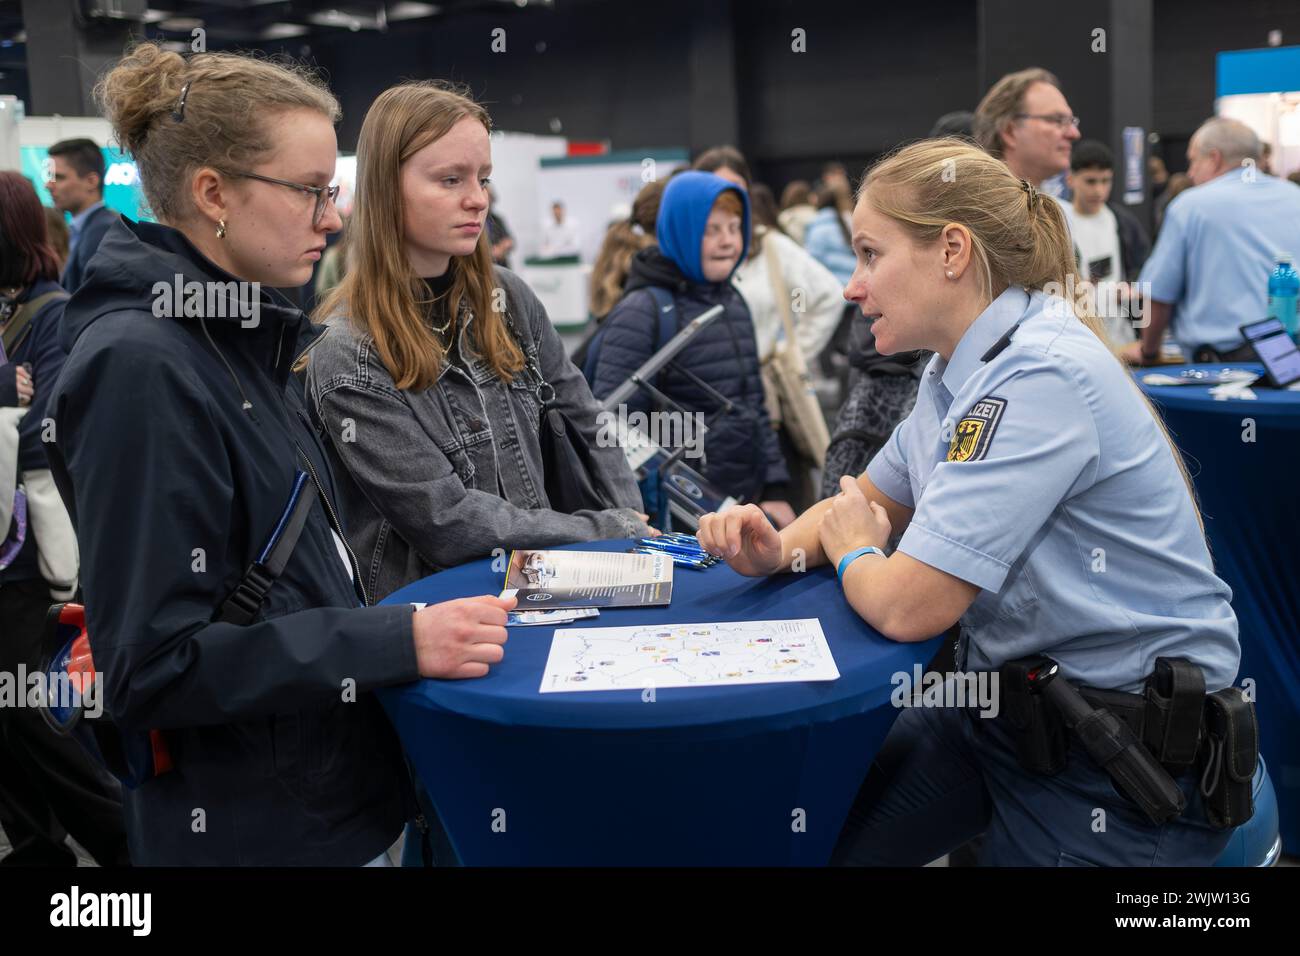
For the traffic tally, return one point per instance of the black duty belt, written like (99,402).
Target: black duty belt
(1143,741)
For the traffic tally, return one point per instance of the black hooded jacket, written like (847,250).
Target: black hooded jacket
(177,442)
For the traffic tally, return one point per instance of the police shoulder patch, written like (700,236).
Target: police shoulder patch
(970,440)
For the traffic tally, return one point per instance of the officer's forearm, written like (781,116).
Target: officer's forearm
(799,538)
(905,599)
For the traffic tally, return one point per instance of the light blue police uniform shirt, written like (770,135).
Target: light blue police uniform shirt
(1215,251)
(1041,477)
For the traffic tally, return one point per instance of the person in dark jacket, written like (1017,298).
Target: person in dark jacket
(180,436)
(76,186)
(49,786)
(703,234)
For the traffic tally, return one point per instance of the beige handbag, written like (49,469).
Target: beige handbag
(787,386)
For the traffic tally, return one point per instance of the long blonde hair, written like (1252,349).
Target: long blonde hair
(1018,236)
(380,291)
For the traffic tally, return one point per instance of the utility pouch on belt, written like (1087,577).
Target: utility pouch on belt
(1230,752)
(1175,701)
(1038,728)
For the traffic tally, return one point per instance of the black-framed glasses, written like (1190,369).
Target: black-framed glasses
(1063,120)
(323,194)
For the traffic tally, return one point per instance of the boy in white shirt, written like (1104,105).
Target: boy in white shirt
(1098,238)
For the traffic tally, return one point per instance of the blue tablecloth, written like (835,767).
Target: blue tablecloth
(1250,496)
(746,775)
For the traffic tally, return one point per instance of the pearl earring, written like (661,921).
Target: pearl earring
(951,276)
(221,231)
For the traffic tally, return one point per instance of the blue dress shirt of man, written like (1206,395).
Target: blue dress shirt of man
(1209,270)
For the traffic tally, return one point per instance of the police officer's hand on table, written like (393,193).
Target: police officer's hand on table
(852,522)
(459,639)
(901,597)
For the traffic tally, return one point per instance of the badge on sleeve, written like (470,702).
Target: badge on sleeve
(970,441)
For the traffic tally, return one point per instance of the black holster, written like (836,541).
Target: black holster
(1229,754)
(1037,726)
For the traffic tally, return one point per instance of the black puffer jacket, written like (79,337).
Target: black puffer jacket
(742,454)
(176,454)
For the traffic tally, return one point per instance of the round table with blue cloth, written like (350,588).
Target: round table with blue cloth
(1244,457)
(759,774)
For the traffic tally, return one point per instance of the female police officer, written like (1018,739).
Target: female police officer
(1040,504)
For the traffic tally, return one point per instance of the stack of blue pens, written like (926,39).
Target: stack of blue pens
(684,549)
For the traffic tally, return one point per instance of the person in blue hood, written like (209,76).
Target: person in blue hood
(703,234)
(180,436)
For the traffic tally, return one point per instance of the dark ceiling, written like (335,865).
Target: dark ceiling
(244,23)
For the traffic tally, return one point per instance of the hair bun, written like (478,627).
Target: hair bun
(140,87)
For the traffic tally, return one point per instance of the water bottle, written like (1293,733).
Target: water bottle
(1283,288)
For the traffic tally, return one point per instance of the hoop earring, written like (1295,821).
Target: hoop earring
(221,228)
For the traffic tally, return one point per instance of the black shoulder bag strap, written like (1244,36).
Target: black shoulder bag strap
(20,323)
(247,598)
(568,474)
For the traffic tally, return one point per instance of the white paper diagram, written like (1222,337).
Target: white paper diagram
(687,655)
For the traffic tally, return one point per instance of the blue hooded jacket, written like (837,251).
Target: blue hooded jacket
(742,454)
(684,212)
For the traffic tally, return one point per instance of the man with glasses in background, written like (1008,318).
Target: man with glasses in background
(1025,121)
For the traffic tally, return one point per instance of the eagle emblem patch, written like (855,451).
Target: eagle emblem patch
(970,440)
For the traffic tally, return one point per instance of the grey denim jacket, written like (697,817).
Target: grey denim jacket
(448,474)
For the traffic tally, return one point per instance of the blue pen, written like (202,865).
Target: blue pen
(674,542)
(687,540)
(698,563)
(680,536)
(672,548)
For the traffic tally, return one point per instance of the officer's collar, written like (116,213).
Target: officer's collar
(991,324)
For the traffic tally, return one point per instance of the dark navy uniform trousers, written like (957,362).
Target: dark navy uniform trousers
(946,775)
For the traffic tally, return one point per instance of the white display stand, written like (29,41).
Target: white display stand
(562,289)
(515,160)
(597,189)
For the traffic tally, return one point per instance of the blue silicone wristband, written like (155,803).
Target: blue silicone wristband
(853,556)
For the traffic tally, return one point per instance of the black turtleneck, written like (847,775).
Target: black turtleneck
(439,284)
(438,311)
